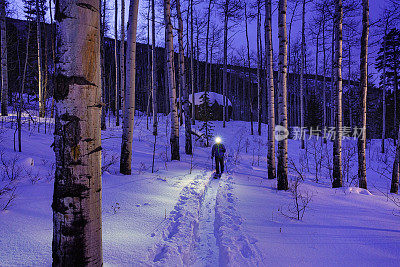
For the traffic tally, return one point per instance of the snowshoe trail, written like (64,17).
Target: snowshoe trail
(180,234)
(236,248)
(207,250)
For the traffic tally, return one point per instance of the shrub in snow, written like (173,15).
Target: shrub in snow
(301,199)
(239,147)
(349,160)
(108,161)
(10,174)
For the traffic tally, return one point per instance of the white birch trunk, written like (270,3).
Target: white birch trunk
(362,172)
(192,64)
(122,56)
(77,238)
(102,62)
(42,106)
(174,139)
(207,41)
(324,70)
(303,37)
(153,78)
(259,67)
(248,71)
(153,66)
(129,98)
(282,173)
(337,144)
(225,60)
(117,92)
(182,82)
(271,91)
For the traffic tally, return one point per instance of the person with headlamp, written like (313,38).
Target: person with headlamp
(218,151)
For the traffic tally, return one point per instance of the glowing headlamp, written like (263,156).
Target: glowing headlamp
(217,139)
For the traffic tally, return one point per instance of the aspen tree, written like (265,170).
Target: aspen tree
(77,238)
(337,143)
(129,98)
(271,91)
(282,173)
(362,179)
(182,83)
(174,139)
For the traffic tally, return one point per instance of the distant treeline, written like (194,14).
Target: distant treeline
(239,82)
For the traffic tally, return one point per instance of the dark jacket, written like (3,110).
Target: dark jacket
(218,150)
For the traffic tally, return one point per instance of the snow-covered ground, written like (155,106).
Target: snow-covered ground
(179,215)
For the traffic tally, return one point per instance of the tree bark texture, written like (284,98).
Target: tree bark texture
(77,239)
(174,139)
(282,173)
(271,91)
(362,172)
(129,98)
(337,143)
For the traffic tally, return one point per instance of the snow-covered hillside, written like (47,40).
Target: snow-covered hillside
(179,215)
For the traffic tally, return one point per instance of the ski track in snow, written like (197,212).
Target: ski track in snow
(236,248)
(179,237)
(207,250)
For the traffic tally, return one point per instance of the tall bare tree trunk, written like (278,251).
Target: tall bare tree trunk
(52,34)
(282,96)
(225,60)
(182,82)
(4,68)
(207,77)
(271,91)
(362,176)
(207,41)
(384,98)
(102,60)
(316,62)
(192,63)
(337,144)
(21,99)
(197,55)
(153,66)
(324,70)
(303,40)
(248,71)
(42,105)
(289,42)
(117,91)
(259,67)
(77,238)
(350,89)
(148,69)
(174,139)
(122,75)
(129,98)
(153,78)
